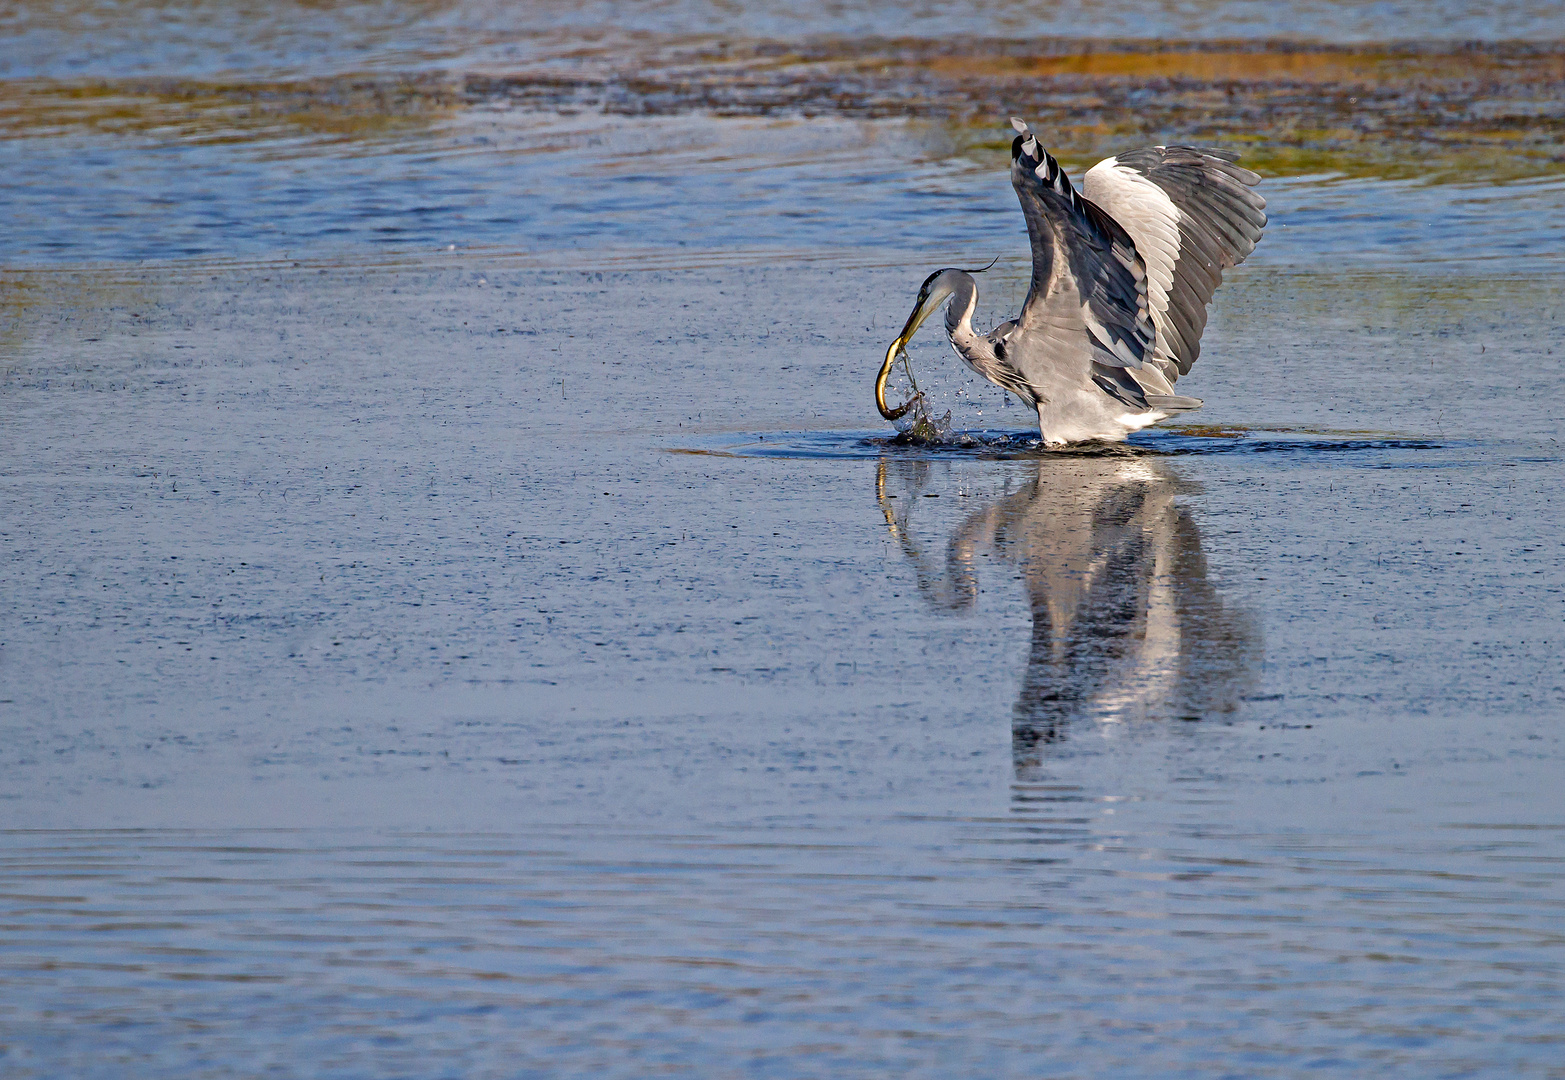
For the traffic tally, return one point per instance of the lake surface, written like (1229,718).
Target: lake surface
(463,617)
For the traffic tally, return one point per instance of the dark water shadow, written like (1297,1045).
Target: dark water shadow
(1025,445)
(1126,625)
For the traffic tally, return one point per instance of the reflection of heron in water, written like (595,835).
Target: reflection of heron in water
(1125,624)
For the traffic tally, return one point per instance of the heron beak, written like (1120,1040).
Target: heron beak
(927,305)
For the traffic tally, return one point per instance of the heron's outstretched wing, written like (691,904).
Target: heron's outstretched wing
(1192,215)
(1086,272)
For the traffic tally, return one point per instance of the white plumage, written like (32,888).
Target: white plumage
(1152,220)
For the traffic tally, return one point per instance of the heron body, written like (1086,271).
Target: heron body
(1122,273)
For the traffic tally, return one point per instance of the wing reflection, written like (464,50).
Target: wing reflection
(1125,624)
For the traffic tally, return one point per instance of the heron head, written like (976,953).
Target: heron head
(936,289)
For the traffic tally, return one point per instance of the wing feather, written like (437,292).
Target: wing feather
(1205,201)
(1078,247)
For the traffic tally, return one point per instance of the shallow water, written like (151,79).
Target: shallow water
(586,734)
(529,657)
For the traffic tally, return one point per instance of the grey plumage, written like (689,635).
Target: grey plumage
(1122,274)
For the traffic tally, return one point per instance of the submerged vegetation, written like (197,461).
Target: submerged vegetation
(1453,111)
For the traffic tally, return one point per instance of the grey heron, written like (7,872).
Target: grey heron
(1122,273)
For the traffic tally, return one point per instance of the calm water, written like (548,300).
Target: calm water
(462,618)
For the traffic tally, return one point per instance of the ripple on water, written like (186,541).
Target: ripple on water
(1076,929)
(982,445)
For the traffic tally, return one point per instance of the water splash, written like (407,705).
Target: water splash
(921,427)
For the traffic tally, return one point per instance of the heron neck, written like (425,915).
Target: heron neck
(959,314)
(959,318)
